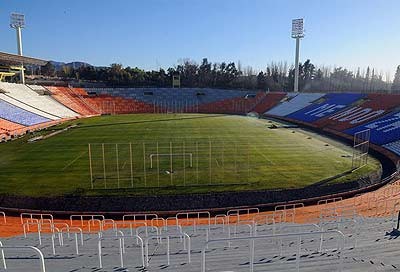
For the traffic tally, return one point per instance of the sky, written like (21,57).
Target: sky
(150,34)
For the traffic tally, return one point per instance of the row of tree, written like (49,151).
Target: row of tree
(276,77)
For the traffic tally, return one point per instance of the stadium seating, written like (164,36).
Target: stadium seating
(268,101)
(27,98)
(171,99)
(52,105)
(325,106)
(8,126)
(371,107)
(27,107)
(383,130)
(108,104)
(73,99)
(294,103)
(18,115)
(237,105)
(9,129)
(335,235)
(393,146)
(79,91)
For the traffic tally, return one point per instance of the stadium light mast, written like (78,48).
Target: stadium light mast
(297,33)
(18,22)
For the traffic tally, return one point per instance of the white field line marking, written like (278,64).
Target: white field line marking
(74,160)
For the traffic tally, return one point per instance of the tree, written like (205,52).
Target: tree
(261,81)
(319,74)
(48,69)
(396,81)
(204,73)
(188,71)
(277,76)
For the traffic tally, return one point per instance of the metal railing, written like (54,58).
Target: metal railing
(251,240)
(121,238)
(41,257)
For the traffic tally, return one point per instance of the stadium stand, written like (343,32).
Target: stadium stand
(73,100)
(325,106)
(108,104)
(237,105)
(268,101)
(171,99)
(371,107)
(3,135)
(30,100)
(18,115)
(394,147)
(294,103)
(383,130)
(26,107)
(50,104)
(9,127)
(80,94)
(335,235)
(79,91)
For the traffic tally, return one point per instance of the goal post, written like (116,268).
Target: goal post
(361,142)
(192,162)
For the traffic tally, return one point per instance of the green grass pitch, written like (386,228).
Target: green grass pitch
(191,153)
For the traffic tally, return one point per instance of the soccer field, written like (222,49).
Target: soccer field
(168,153)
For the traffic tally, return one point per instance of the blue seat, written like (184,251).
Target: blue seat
(325,106)
(383,130)
(20,116)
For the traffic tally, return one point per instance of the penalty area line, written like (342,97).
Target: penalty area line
(74,160)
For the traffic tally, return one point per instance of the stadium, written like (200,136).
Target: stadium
(100,178)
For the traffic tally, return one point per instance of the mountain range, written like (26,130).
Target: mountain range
(75,64)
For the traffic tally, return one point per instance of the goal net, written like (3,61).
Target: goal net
(169,164)
(360,148)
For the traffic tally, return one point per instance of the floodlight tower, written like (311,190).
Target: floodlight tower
(18,22)
(297,33)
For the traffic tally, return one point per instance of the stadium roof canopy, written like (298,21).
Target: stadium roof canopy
(12,59)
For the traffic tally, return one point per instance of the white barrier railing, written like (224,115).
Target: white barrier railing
(193,216)
(288,210)
(147,229)
(138,217)
(25,228)
(69,231)
(234,234)
(39,216)
(220,217)
(154,222)
(171,221)
(82,217)
(251,240)
(61,226)
(241,212)
(4,217)
(167,237)
(121,240)
(92,222)
(41,257)
(107,222)
(3,257)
